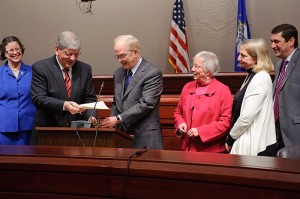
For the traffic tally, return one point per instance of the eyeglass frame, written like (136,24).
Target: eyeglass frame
(68,54)
(13,50)
(123,55)
(197,66)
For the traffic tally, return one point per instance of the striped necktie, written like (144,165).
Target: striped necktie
(68,81)
(277,90)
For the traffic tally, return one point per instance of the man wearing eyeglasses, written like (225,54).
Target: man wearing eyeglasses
(138,86)
(60,83)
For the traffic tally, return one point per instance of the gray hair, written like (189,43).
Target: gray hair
(129,40)
(210,61)
(69,40)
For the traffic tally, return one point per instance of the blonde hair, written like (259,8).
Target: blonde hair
(257,48)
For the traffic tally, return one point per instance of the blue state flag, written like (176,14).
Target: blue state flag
(243,31)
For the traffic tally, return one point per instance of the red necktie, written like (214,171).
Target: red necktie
(277,90)
(68,82)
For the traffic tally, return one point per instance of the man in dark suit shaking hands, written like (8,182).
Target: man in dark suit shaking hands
(60,83)
(138,86)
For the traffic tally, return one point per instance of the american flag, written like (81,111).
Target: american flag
(178,51)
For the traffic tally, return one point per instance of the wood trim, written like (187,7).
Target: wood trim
(173,83)
(67,136)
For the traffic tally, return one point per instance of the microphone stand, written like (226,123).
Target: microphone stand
(93,112)
(135,154)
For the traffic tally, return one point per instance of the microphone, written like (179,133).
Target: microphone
(139,152)
(94,109)
(135,154)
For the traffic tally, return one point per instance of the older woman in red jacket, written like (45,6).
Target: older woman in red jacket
(203,114)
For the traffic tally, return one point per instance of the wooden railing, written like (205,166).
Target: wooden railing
(173,83)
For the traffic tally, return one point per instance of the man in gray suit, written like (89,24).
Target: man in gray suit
(138,86)
(286,85)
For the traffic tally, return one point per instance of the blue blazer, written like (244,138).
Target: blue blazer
(16,107)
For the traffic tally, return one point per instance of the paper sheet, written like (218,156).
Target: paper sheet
(100,105)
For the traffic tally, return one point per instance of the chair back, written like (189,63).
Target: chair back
(289,152)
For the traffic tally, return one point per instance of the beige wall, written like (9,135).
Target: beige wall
(211,25)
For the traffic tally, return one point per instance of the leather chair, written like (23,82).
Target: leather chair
(289,152)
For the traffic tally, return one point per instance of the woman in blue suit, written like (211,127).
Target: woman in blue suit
(16,108)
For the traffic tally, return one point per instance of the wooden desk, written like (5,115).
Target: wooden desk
(67,136)
(93,172)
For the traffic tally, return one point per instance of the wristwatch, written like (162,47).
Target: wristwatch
(119,119)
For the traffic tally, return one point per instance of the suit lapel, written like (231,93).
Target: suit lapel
(58,76)
(75,80)
(136,77)
(122,77)
(291,66)
(22,72)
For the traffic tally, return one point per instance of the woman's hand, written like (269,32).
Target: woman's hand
(182,127)
(227,147)
(193,132)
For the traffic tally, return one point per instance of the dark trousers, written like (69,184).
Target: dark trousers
(280,143)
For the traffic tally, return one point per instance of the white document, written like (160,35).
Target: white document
(100,105)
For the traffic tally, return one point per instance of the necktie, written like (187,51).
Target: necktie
(127,79)
(277,90)
(68,82)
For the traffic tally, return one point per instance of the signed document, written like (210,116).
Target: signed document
(99,105)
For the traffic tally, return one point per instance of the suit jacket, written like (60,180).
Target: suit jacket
(49,93)
(16,108)
(139,105)
(289,100)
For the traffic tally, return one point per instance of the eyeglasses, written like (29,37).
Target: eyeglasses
(12,51)
(69,54)
(121,56)
(196,66)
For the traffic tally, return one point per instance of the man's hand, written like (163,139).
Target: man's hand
(72,107)
(109,122)
(93,120)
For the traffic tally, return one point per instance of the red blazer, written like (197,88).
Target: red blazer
(210,113)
